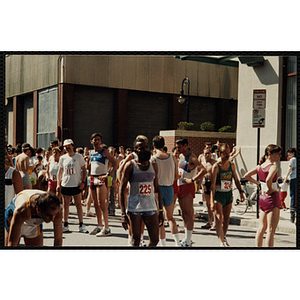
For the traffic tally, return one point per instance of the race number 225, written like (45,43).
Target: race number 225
(145,189)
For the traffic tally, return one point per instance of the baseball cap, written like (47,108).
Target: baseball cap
(68,142)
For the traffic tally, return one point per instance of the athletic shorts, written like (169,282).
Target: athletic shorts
(144,213)
(269,202)
(52,184)
(185,189)
(167,194)
(206,186)
(225,198)
(95,181)
(25,179)
(28,231)
(175,187)
(70,191)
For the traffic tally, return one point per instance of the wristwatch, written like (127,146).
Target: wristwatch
(192,179)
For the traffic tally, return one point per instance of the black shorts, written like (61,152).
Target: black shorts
(207,187)
(70,191)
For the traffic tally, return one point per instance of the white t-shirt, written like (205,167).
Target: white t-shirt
(72,169)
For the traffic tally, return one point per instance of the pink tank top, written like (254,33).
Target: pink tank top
(263,173)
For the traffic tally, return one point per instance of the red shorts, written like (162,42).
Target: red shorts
(175,187)
(185,189)
(96,180)
(52,184)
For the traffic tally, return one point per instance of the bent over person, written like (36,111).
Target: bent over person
(141,173)
(26,213)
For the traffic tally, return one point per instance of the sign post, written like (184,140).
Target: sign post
(258,121)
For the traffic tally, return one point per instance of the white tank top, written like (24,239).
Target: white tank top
(9,186)
(53,169)
(166,170)
(141,196)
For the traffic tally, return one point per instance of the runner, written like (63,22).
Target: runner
(52,170)
(221,193)
(190,170)
(22,165)
(26,213)
(167,173)
(71,177)
(99,171)
(142,175)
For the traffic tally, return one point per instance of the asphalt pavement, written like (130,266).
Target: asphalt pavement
(241,232)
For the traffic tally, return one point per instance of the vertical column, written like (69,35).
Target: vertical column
(176,112)
(18,120)
(122,100)
(65,118)
(35,118)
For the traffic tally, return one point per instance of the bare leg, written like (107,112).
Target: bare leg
(66,204)
(272,220)
(261,229)
(77,199)
(152,225)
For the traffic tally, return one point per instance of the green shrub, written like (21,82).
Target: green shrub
(225,128)
(185,126)
(207,126)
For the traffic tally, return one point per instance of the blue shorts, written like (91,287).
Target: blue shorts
(144,213)
(167,194)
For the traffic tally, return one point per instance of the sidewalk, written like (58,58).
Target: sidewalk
(249,218)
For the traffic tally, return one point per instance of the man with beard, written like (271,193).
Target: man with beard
(26,213)
(142,175)
(71,178)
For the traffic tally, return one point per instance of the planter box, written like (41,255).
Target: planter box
(197,139)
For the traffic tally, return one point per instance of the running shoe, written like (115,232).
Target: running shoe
(185,244)
(104,232)
(83,229)
(143,243)
(66,228)
(89,214)
(206,226)
(95,231)
(226,242)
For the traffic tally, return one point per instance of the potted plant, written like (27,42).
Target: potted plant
(207,126)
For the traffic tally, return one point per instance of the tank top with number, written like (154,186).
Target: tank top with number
(99,163)
(53,169)
(141,196)
(224,179)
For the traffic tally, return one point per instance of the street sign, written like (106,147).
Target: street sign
(259,105)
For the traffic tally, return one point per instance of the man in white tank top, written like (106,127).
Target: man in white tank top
(142,175)
(167,173)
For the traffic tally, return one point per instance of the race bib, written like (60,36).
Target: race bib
(99,180)
(225,185)
(145,189)
(180,173)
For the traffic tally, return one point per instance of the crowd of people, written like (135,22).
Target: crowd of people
(41,184)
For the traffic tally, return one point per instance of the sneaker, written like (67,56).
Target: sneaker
(89,214)
(143,243)
(206,226)
(95,231)
(104,232)
(83,229)
(226,242)
(66,228)
(184,244)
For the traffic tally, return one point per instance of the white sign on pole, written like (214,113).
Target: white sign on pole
(259,105)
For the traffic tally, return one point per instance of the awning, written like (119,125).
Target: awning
(232,61)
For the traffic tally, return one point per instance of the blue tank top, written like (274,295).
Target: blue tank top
(183,164)
(99,163)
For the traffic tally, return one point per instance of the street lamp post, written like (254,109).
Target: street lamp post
(181,98)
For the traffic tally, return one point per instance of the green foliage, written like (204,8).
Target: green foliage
(207,126)
(185,126)
(225,128)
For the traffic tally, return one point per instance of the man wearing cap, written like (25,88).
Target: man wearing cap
(71,178)
(22,165)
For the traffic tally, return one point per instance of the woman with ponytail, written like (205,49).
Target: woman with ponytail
(269,201)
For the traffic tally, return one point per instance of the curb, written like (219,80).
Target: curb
(250,223)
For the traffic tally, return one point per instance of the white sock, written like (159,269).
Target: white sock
(163,242)
(142,237)
(129,239)
(176,239)
(188,236)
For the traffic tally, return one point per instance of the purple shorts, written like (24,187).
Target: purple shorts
(268,202)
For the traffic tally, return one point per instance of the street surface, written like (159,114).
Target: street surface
(237,236)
